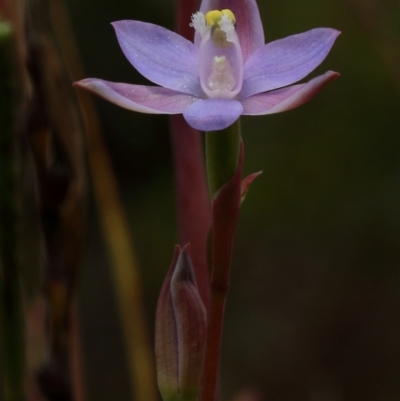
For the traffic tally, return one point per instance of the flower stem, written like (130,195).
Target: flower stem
(184,10)
(209,382)
(222,156)
(193,208)
(194,212)
(224,166)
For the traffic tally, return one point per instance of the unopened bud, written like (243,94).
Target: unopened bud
(180,331)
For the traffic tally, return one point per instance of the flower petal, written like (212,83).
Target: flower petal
(286,61)
(160,55)
(213,114)
(248,22)
(286,98)
(144,99)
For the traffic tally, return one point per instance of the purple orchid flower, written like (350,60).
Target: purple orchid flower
(228,70)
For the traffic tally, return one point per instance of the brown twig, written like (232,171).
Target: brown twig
(54,133)
(115,227)
(12,353)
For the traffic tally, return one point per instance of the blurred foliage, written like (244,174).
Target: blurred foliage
(312,313)
(11,316)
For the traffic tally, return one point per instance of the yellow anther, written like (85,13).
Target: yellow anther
(214,17)
(230,15)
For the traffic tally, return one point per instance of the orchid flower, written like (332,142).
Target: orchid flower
(228,70)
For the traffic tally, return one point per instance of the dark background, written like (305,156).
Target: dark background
(313,312)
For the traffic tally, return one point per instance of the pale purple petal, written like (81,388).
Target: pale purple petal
(144,99)
(248,22)
(213,114)
(286,61)
(286,98)
(160,55)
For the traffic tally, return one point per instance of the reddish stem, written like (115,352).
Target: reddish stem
(184,11)
(194,215)
(225,214)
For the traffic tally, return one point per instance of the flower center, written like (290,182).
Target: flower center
(222,24)
(220,57)
(222,77)
(214,17)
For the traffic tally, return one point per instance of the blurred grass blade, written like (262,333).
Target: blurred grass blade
(124,266)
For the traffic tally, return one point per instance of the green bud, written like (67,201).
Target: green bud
(180,332)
